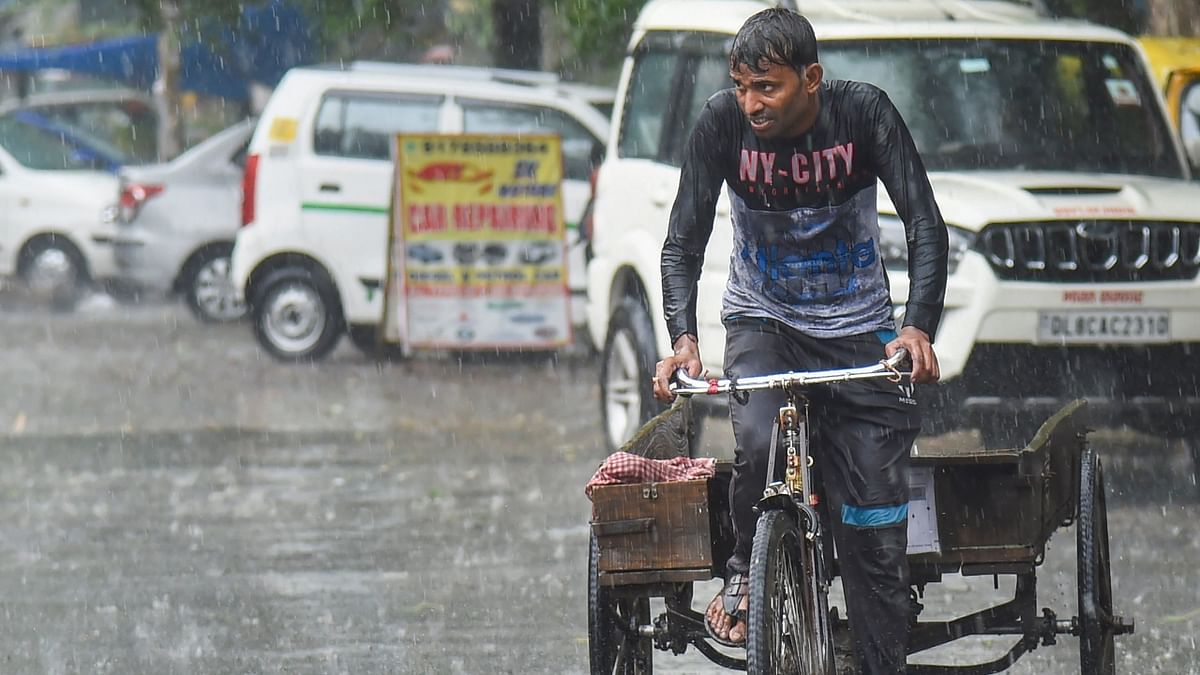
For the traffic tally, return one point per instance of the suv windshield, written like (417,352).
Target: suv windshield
(1017,104)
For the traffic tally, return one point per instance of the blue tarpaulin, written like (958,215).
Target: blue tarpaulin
(270,39)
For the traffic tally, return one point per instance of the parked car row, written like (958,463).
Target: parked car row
(83,213)
(310,258)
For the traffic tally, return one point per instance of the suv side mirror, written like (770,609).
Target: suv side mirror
(596,156)
(1192,147)
(1189,118)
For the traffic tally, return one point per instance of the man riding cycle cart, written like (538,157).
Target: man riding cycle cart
(807,291)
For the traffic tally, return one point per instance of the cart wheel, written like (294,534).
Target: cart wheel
(789,631)
(1097,653)
(613,646)
(1193,448)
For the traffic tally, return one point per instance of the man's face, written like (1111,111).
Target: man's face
(779,102)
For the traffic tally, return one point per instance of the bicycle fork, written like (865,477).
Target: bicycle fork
(792,427)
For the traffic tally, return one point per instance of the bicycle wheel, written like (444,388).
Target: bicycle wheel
(789,630)
(614,648)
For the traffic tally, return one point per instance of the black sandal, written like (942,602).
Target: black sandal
(736,588)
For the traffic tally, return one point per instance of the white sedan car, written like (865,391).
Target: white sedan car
(56,227)
(178,221)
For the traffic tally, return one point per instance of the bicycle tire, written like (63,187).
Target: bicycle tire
(613,649)
(789,630)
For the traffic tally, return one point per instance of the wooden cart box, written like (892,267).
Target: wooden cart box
(653,526)
(651,532)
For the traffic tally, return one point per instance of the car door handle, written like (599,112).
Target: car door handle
(662,197)
(330,187)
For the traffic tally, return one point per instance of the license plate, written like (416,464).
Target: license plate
(1120,326)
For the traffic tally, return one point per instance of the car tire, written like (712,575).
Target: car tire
(297,314)
(207,288)
(626,366)
(53,270)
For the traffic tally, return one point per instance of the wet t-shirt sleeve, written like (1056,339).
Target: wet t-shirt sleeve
(691,220)
(899,167)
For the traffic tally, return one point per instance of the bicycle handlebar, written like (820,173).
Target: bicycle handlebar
(686,385)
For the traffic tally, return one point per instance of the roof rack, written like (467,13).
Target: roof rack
(509,75)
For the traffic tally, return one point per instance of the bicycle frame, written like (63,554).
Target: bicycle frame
(794,494)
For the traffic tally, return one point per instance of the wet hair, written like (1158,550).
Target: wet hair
(776,35)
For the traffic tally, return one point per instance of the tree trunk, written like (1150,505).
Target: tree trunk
(166,89)
(518,34)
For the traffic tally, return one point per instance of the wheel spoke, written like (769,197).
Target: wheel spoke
(623,397)
(623,394)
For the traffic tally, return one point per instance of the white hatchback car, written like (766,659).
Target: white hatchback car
(311,255)
(55,214)
(178,221)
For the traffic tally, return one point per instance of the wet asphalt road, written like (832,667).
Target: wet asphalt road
(174,501)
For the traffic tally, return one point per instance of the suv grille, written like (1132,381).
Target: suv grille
(1096,251)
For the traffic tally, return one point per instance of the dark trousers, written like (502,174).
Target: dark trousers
(861,435)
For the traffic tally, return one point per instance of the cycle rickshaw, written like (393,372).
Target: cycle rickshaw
(986,512)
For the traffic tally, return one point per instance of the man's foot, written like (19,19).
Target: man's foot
(726,614)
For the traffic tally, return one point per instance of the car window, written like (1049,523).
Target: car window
(40,149)
(483,117)
(648,97)
(128,126)
(711,74)
(362,125)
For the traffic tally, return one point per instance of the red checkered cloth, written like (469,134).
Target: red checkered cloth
(624,467)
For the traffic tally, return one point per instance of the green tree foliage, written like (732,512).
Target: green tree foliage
(599,29)
(344,29)
(225,12)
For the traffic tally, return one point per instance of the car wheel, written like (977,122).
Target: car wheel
(53,270)
(297,314)
(627,364)
(208,289)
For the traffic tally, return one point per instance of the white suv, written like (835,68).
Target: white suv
(1074,232)
(311,255)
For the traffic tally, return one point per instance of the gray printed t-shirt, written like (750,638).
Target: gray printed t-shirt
(805,227)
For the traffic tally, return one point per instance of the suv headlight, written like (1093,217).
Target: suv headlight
(894,246)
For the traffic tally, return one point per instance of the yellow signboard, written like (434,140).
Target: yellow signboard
(477,248)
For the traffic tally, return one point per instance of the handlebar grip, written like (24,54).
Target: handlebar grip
(682,378)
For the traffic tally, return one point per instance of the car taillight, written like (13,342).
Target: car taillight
(249,178)
(133,196)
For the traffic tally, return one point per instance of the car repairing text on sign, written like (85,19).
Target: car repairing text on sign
(477,247)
